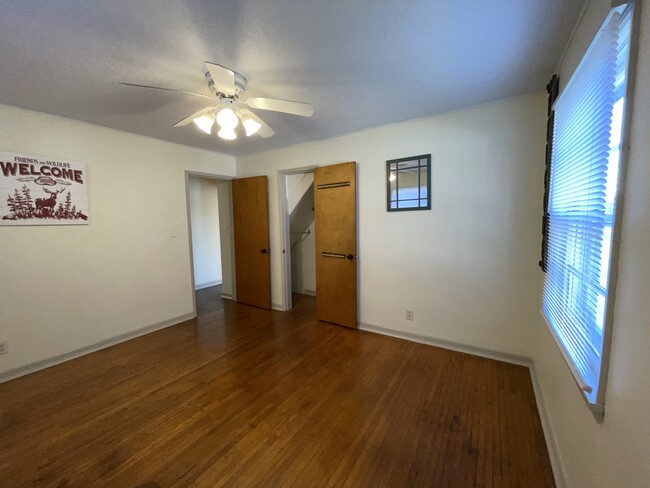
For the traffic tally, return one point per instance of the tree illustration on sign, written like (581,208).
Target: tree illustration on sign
(22,206)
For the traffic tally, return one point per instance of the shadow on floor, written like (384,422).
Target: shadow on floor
(208,300)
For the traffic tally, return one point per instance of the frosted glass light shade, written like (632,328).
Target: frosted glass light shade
(227,134)
(227,119)
(251,126)
(205,122)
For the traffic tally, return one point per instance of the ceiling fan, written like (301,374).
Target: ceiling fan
(227,109)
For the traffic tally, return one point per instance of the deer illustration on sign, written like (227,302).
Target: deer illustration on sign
(22,208)
(42,191)
(46,205)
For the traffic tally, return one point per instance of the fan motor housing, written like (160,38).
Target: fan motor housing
(240,85)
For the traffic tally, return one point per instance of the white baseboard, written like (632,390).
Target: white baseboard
(274,306)
(311,293)
(454,346)
(46,363)
(207,284)
(549,436)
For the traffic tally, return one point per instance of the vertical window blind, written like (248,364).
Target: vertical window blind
(582,203)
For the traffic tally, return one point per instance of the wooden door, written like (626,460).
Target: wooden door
(250,203)
(335,202)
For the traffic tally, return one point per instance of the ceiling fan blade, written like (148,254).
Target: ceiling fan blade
(224,78)
(264,131)
(296,108)
(189,119)
(168,89)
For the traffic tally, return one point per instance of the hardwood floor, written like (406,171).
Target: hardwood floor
(248,397)
(209,299)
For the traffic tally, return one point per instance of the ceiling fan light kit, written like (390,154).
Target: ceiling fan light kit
(251,126)
(227,86)
(205,122)
(227,134)
(227,118)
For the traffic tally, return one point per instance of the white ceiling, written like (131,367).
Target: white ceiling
(361,63)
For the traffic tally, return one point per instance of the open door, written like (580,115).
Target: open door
(250,203)
(335,203)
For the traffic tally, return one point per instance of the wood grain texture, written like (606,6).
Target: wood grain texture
(250,203)
(249,397)
(335,224)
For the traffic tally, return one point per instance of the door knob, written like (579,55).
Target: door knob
(264,251)
(350,256)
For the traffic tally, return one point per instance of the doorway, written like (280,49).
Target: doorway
(211,241)
(330,194)
(297,203)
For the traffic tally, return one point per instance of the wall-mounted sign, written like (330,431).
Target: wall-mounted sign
(42,191)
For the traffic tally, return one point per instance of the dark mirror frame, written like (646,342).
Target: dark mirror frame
(401,160)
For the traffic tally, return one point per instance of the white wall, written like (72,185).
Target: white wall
(300,196)
(226,234)
(297,185)
(303,263)
(206,240)
(467,267)
(614,454)
(72,287)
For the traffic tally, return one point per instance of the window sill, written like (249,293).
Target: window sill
(596,409)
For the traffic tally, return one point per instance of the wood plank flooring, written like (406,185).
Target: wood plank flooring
(248,397)
(209,299)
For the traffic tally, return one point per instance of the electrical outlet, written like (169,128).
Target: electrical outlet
(409,314)
(4,348)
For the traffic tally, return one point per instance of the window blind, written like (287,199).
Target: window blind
(582,201)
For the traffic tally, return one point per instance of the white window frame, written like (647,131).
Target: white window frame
(597,407)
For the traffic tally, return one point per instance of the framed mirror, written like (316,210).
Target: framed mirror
(408,183)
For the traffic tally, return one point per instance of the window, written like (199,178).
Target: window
(409,183)
(581,210)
